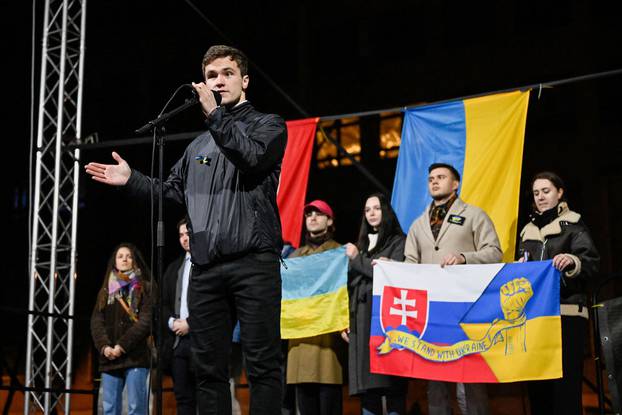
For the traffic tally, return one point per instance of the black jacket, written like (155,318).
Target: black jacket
(227,179)
(169,292)
(564,234)
(360,285)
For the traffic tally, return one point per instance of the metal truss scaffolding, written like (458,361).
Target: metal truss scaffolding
(54,217)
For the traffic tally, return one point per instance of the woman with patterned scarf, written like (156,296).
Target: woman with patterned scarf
(120,326)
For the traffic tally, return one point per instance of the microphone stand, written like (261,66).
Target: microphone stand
(157,125)
(167,115)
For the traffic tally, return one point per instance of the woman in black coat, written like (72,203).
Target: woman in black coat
(556,232)
(380,237)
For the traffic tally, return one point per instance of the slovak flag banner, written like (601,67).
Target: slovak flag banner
(466,323)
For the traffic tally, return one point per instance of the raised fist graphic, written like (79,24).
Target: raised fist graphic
(514,296)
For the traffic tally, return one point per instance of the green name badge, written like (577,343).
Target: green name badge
(456,220)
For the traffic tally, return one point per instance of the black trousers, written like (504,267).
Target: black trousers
(371,401)
(248,288)
(184,383)
(319,399)
(563,396)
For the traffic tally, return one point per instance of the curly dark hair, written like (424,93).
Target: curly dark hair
(224,51)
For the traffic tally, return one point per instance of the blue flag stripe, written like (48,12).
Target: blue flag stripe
(431,134)
(544,279)
(314,274)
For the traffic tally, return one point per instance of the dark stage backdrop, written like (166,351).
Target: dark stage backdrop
(331,58)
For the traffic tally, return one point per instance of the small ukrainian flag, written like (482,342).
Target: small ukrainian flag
(314,294)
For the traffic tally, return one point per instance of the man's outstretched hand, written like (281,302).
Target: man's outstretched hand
(112,174)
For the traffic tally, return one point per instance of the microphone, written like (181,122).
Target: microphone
(217,95)
(162,118)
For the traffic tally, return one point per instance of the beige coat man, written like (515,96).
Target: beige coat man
(466,236)
(475,238)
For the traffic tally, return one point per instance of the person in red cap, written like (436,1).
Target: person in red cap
(315,364)
(319,206)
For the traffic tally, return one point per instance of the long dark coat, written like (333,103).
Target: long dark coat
(112,326)
(360,289)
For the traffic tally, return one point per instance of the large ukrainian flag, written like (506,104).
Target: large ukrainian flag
(483,139)
(314,294)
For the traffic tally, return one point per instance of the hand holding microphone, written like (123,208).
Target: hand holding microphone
(209,99)
(203,95)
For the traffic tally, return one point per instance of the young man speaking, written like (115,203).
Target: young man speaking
(227,179)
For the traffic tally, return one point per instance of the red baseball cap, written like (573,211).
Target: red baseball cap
(320,205)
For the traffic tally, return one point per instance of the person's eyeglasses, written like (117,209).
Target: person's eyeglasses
(314,212)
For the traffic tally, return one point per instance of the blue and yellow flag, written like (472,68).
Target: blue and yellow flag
(466,323)
(483,139)
(315,294)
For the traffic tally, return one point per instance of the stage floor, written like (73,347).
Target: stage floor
(505,399)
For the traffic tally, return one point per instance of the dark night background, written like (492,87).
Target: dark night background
(332,58)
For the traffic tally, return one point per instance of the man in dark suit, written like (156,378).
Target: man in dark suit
(176,347)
